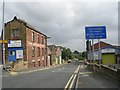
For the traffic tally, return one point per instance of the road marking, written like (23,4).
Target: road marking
(73,81)
(68,82)
(76,71)
(85,73)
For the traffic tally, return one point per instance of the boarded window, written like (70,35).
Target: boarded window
(38,37)
(43,51)
(15,32)
(38,51)
(42,40)
(33,51)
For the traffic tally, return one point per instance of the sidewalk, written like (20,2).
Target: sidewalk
(11,73)
(87,79)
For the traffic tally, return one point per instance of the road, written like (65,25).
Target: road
(50,78)
(87,79)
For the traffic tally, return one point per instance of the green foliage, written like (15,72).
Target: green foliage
(76,52)
(66,54)
(84,54)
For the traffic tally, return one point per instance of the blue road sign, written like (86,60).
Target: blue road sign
(95,32)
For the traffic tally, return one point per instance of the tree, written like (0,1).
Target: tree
(84,54)
(76,52)
(66,54)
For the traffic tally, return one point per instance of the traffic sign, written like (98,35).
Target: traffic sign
(95,32)
(3,41)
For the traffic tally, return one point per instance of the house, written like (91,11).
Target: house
(109,54)
(27,46)
(49,60)
(56,54)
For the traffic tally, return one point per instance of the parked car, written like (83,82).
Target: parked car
(69,61)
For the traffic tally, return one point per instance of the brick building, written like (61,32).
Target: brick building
(56,54)
(27,47)
(109,54)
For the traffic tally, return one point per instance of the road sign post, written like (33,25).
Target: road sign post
(95,32)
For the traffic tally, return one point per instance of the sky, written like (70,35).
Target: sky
(65,20)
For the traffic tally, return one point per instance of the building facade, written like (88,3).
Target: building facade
(109,54)
(27,47)
(56,54)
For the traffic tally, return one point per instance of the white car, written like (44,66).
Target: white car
(69,61)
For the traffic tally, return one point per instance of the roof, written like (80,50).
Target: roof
(51,46)
(27,25)
(102,45)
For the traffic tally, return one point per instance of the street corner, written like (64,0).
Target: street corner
(13,73)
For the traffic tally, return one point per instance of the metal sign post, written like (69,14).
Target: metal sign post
(93,56)
(99,52)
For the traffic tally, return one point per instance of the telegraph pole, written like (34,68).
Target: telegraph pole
(3,55)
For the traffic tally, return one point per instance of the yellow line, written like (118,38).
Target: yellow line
(72,82)
(68,82)
(76,71)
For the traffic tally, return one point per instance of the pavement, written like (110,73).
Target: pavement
(88,79)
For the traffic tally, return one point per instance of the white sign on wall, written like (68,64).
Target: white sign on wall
(19,54)
(108,50)
(14,43)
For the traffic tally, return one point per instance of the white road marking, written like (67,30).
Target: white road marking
(85,75)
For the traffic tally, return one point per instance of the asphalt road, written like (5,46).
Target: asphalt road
(50,78)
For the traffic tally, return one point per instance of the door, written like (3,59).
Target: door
(108,59)
(12,55)
(48,60)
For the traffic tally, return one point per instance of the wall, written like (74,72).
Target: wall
(15,24)
(35,61)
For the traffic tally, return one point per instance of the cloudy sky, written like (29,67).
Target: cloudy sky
(65,21)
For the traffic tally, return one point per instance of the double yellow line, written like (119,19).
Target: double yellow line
(72,79)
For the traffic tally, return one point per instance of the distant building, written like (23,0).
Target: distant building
(56,54)
(27,47)
(109,54)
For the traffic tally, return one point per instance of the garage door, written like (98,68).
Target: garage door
(108,59)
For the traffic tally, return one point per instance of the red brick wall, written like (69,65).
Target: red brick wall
(29,46)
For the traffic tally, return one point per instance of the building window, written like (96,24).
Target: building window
(11,53)
(43,52)
(42,40)
(38,51)
(15,32)
(38,37)
(33,51)
(32,36)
